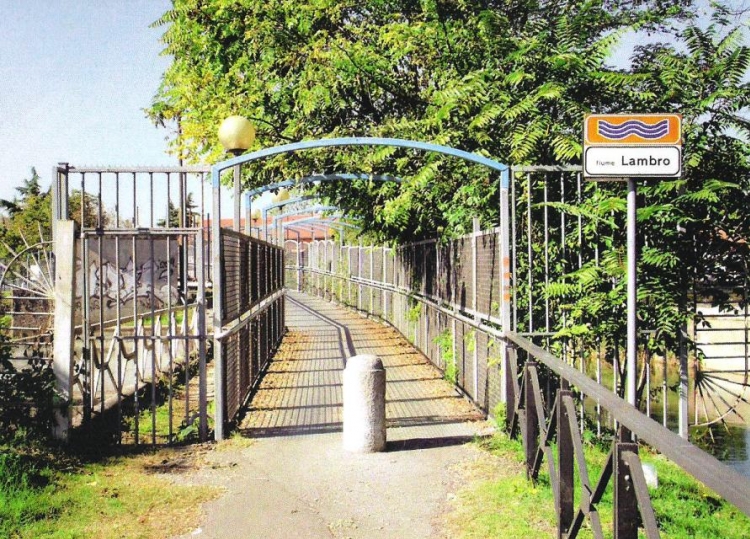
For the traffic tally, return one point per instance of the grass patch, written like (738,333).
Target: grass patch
(500,502)
(117,497)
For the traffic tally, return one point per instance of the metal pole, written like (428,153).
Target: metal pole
(219,401)
(264,216)
(632,291)
(248,215)
(237,197)
(299,262)
(682,414)
(505,283)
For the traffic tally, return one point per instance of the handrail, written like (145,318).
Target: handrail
(719,477)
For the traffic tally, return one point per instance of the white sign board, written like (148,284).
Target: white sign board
(626,161)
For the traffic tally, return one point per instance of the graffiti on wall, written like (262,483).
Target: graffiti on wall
(141,273)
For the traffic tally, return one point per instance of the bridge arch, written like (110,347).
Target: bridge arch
(350,142)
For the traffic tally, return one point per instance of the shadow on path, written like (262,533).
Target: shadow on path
(301,393)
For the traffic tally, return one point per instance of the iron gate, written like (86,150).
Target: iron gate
(131,352)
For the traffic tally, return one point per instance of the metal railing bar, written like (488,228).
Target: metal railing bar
(729,484)
(585,507)
(604,477)
(140,232)
(139,170)
(545,168)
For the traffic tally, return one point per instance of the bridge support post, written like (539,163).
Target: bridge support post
(364,404)
(506,389)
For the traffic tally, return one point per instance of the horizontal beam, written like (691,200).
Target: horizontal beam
(204,169)
(323,178)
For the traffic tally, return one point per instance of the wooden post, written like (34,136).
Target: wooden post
(531,420)
(626,516)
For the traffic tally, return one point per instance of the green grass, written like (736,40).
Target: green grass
(499,501)
(54,495)
(156,422)
(505,504)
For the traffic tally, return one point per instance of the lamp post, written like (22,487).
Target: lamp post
(236,134)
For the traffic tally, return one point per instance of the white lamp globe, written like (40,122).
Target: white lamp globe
(236,134)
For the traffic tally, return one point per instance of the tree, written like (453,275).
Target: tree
(29,216)
(174,214)
(505,78)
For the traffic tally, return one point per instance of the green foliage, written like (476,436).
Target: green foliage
(692,231)
(28,218)
(444,340)
(26,399)
(415,311)
(470,339)
(499,414)
(507,79)
(191,217)
(511,80)
(683,507)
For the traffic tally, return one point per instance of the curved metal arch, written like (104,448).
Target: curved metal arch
(322,178)
(265,210)
(318,225)
(288,202)
(313,223)
(321,221)
(309,226)
(318,208)
(306,219)
(353,141)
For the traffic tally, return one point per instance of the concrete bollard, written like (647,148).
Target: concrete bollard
(364,404)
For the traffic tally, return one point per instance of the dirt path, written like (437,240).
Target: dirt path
(294,480)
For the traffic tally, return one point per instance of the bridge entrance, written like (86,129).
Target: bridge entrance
(163,301)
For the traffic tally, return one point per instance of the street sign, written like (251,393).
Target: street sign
(632,145)
(628,147)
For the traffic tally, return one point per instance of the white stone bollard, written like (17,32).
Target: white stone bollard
(364,404)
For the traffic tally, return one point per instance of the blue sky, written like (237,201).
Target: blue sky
(74,78)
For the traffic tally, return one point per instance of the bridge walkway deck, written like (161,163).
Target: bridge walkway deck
(301,392)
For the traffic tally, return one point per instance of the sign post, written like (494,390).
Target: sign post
(628,147)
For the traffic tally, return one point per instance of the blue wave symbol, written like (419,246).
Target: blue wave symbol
(634,127)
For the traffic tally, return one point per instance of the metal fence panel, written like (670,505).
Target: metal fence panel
(251,283)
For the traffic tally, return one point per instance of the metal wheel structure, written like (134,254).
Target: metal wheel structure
(721,391)
(27,302)
(721,396)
